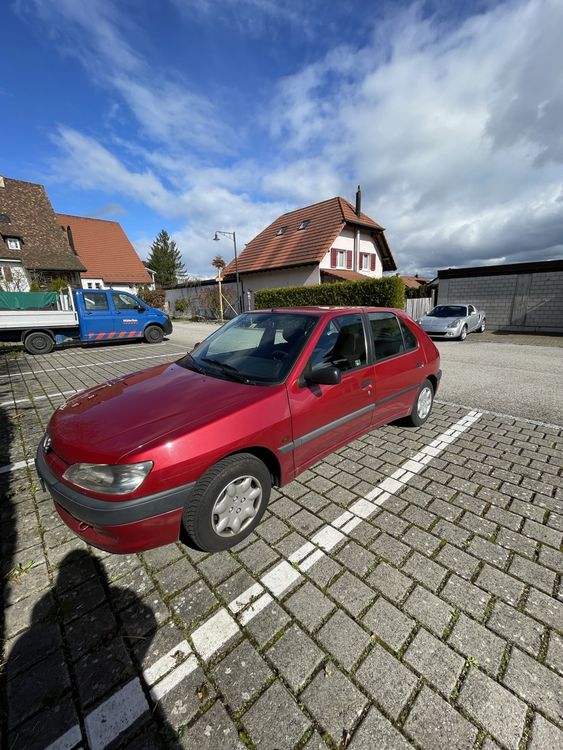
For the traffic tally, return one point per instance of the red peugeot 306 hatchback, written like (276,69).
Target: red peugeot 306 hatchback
(191,449)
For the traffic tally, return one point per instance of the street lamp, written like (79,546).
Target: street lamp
(233,236)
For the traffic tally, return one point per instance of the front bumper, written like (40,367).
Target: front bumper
(168,327)
(117,525)
(447,333)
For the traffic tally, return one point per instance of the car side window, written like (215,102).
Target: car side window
(96,301)
(341,344)
(387,335)
(408,336)
(471,309)
(124,301)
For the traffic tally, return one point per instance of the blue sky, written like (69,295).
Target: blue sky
(197,115)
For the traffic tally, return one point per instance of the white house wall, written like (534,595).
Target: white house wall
(345,241)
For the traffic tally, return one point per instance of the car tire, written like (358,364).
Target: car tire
(463,334)
(38,343)
(154,334)
(423,405)
(237,486)
(482,326)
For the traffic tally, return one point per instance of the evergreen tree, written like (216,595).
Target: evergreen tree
(165,260)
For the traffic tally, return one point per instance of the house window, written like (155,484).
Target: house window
(364,261)
(281,230)
(13,243)
(304,224)
(341,258)
(89,285)
(4,219)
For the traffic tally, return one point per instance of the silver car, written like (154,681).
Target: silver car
(453,321)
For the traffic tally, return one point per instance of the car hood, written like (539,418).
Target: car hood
(123,415)
(431,322)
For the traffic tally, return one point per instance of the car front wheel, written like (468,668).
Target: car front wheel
(423,405)
(463,334)
(227,503)
(154,334)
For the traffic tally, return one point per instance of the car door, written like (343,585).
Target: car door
(325,416)
(473,321)
(398,369)
(99,317)
(128,315)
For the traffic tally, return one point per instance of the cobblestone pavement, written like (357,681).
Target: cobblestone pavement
(404,592)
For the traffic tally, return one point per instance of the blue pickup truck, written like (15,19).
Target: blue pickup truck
(40,320)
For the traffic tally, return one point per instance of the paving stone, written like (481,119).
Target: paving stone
(477,524)
(425,571)
(334,702)
(364,533)
(469,502)
(272,529)
(310,606)
(435,725)
(494,708)
(504,517)
(389,581)
(147,651)
(488,551)
(554,656)
(544,735)
(235,585)
(500,584)
(46,727)
(142,618)
(390,523)
(97,673)
(324,572)
(241,674)
(429,609)
(42,685)
(258,556)
(478,643)
(420,517)
(440,665)
(194,603)
(517,542)
(390,548)
(445,510)
(552,558)
(176,577)
(388,623)
(516,627)
(213,730)
(305,522)
(23,652)
(535,684)
(421,540)
(525,509)
(268,623)
(131,587)
(283,733)
(356,558)
(534,574)
(545,608)
(460,562)
(351,593)
(454,534)
(85,632)
(376,725)
(76,602)
(291,542)
(218,566)
(386,680)
(295,657)
(162,556)
(343,638)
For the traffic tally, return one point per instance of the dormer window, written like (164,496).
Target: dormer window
(4,219)
(281,230)
(13,243)
(304,224)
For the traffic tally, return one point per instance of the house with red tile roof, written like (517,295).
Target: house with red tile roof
(328,241)
(414,282)
(32,246)
(104,249)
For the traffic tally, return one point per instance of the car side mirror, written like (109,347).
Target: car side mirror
(325,375)
(141,309)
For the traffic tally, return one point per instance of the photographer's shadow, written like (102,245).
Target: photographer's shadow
(81,621)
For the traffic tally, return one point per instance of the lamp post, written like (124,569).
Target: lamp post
(233,236)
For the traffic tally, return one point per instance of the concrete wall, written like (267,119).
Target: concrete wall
(195,295)
(253,282)
(513,302)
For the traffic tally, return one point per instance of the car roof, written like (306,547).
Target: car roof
(320,310)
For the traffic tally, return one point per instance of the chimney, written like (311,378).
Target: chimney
(358,202)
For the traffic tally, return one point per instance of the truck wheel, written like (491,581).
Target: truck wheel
(227,503)
(423,405)
(38,343)
(154,334)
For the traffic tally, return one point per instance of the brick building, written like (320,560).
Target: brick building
(524,297)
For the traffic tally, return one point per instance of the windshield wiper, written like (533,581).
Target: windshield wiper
(228,369)
(193,365)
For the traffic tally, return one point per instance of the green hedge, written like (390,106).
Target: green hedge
(386,292)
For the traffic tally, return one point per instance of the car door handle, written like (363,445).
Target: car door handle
(420,364)
(366,384)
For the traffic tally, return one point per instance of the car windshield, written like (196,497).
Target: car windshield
(254,348)
(448,311)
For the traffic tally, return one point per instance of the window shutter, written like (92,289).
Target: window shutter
(333,258)
(372,261)
(349,260)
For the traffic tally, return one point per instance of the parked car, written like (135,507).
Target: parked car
(453,321)
(191,449)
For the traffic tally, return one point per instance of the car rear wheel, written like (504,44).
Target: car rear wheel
(463,334)
(482,326)
(423,404)
(38,343)
(154,334)
(227,503)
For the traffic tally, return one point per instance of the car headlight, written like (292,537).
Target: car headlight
(419,320)
(104,478)
(454,324)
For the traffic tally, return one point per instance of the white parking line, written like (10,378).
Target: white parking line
(15,467)
(59,394)
(119,711)
(535,422)
(93,364)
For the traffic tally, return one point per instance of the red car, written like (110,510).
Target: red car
(191,449)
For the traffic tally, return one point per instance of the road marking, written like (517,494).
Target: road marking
(15,467)
(93,364)
(59,394)
(68,740)
(111,718)
(535,422)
